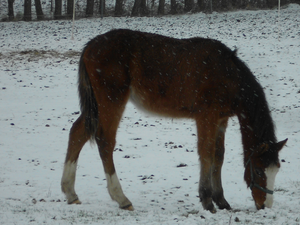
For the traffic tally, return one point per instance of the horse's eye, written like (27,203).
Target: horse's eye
(259,172)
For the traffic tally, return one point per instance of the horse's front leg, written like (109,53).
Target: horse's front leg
(206,150)
(218,193)
(205,187)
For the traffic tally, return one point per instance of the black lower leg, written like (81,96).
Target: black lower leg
(219,199)
(205,193)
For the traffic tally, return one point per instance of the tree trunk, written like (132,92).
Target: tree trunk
(272,3)
(201,5)
(173,7)
(57,9)
(27,10)
(11,15)
(39,11)
(70,4)
(135,9)
(188,5)
(89,8)
(243,4)
(236,4)
(145,10)
(216,5)
(119,8)
(161,7)
(102,7)
(139,8)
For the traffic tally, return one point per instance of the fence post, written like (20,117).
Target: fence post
(278,24)
(72,38)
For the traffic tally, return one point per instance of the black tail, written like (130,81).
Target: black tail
(88,103)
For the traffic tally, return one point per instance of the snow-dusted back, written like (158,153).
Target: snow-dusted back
(155,157)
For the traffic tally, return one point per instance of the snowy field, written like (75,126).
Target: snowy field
(38,103)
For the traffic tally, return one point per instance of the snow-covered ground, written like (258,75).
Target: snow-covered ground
(38,103)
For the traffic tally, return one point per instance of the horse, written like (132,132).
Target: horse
(197,78)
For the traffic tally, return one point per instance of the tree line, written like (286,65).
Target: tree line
(141,7)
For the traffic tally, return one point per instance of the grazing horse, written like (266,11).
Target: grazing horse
(194,78)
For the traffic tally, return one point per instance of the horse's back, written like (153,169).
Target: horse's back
(175,77)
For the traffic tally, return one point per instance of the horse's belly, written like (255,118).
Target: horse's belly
(167,105)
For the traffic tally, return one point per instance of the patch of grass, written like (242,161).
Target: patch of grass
(280,190)
(35,55)
(296,184)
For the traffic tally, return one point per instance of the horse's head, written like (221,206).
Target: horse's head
(260,172)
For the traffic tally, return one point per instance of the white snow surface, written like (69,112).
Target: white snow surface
(38,103)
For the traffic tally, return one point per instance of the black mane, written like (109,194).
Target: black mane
(255,105)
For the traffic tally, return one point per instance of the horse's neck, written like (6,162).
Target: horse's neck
(249,139)
(255,132)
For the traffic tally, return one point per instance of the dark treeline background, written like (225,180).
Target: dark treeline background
(63,9)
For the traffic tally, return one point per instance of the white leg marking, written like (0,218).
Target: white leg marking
(69,171)
(115,190)
(68,181)
(270,172)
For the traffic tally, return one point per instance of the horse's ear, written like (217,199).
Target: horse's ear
(280,144)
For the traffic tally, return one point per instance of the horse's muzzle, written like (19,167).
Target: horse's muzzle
(260,206)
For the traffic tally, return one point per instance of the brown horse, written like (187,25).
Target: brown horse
(194,78)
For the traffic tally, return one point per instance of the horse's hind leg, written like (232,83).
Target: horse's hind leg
(110,114)
(77,139)
(218,194)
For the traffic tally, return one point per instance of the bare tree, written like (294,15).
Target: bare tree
(11,15)
(161,7)
(173,7)
(102,7)
(205,5)
(57,9)
(140,8)
(39,11)
(27,10)
(188,5)
(70,4)
(201,5)
(119,8)
(273,3)
(89,8)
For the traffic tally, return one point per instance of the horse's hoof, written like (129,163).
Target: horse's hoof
(209,206)
(225,205)
(213,211)
(75,202)
(129,208)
